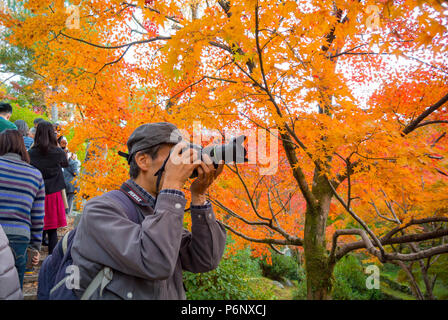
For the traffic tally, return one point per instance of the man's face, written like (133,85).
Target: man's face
(162,154)
(149,166)
(5,115)
(63,143)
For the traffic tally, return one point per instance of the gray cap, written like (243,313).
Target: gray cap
(149,135)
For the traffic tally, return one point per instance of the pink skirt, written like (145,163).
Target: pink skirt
(54,211)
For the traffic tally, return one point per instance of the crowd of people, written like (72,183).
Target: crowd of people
(37,187)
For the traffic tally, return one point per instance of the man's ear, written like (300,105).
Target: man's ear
(143,161)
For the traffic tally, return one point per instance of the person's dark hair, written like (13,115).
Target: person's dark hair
(60,139)
(45,137)
(22,127)
(5,108)
(11,141)
(37,120)
(134,169)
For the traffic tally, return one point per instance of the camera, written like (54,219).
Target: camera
(233,151)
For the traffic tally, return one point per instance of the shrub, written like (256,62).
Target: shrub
(281,267)
(300,292)
(23,113)
(349,281)
(230,281)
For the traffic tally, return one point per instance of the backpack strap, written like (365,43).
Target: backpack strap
(130,208)
(60,283)
(65,243)
(101,280)
(105,275)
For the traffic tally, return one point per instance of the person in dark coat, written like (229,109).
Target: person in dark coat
(46,156)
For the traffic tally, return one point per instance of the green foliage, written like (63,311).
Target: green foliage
(350,281)
(300,292)
(18,61)
(282,266)
(230,281)
(438,269)
(26,114)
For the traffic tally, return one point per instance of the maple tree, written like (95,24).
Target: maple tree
(350,176)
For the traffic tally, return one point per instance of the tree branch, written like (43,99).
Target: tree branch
(358,219)
(431,122)
(367,243)
(265,240)
(397,240)
(414,124)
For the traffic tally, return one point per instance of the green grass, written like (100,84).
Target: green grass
(395,293)
(267,285)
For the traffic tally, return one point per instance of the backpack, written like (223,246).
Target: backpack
(53,273)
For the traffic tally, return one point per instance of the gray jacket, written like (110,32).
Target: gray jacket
(9,278)
(147,260)
(69,175)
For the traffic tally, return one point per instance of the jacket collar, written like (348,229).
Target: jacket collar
(137,194)
(12,156)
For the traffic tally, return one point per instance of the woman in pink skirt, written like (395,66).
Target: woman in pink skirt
(46,156)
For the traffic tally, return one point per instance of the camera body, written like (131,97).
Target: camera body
(233,151)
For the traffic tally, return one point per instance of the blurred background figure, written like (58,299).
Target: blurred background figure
(22,127)
(22,196)
(70,182)
(62,142)
(57,129)
(32,133)
(5,115)
(50,159)
(36,122)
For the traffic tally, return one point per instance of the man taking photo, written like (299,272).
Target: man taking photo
(147,258)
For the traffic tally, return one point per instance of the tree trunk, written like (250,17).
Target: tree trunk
(54,113)
(319,271)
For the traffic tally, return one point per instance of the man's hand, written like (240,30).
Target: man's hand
(206,175)
(179,167)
